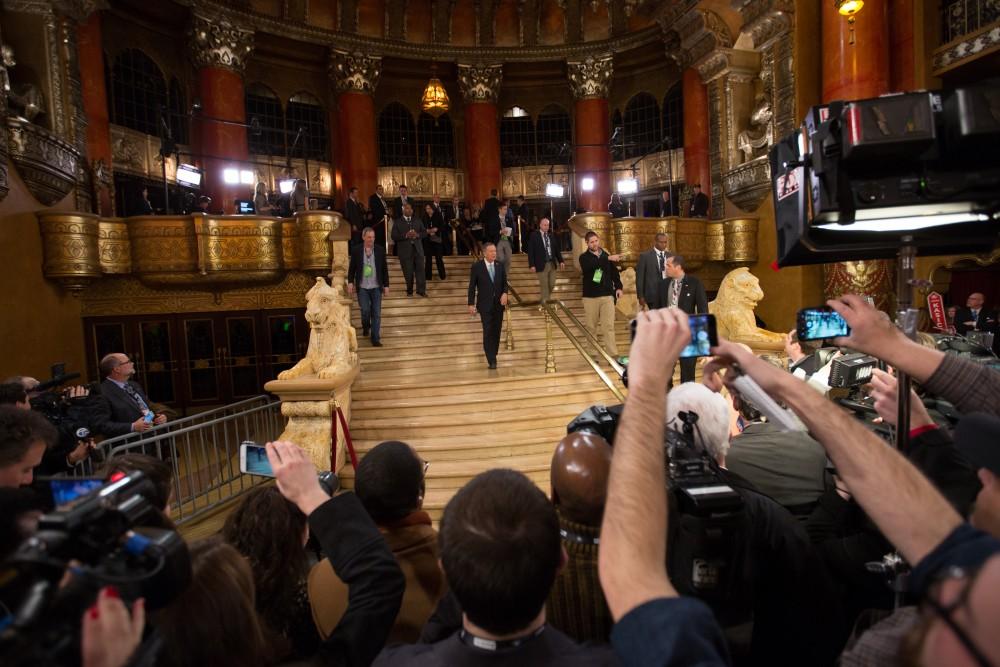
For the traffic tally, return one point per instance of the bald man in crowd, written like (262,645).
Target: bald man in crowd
(580,467)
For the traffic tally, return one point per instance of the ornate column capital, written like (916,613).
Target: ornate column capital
(591,77)
(354,72)
(219,42)
(765,20)
(480,83)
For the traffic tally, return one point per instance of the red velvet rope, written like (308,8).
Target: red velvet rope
(347,441)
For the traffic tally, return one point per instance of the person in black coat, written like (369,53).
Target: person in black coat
(437,230)
(368,275)
(687,293)
(355,216)
(668,205)
(489,216)
(616,207)
(488,296)
(402,200)
(378,208)
(699,203)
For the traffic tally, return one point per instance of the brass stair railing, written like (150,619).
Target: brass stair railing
(550,311)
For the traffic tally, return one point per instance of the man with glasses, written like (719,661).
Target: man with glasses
(122,406)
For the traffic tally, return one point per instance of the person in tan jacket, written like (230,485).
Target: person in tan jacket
(390,485)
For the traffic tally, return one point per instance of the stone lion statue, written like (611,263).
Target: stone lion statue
(333,342)
(629,303)
(733,308)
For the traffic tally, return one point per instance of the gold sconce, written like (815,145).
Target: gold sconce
(849,8)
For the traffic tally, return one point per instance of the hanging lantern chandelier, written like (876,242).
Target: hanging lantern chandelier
(435,100)
(849,8)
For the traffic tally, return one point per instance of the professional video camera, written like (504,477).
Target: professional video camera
(107,533)
(708,525)
(67,414)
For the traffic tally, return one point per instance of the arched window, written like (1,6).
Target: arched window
(397,137)
(641,125)
(305,111)
(266,134)
(138,91)
(617,152)
(673,117)
(517,138)
(179,121)
(554,136)
(436,140)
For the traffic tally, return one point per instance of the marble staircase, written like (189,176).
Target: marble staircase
(429,385)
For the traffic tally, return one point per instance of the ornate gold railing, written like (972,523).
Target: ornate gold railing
(207,251)
(551,314)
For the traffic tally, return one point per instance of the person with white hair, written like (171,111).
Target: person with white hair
(794,602)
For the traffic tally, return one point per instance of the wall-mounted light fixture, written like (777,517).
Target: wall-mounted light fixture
(849,8)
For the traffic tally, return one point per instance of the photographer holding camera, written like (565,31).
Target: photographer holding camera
(66,410)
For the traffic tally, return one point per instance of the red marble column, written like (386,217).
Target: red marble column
(593,157)
(95,103)
(482,151)
(480,85)
(219,50)
(858,70)
(358,149)
(902,45)
(696,164)
(355,77)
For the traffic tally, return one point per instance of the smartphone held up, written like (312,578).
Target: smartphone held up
(819,324)
(703,336)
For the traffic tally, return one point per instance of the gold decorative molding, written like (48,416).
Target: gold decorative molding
(47,164)
(740,236)
(113,246)
(480,83)
(422,182)
(70,254)
(206,251)
(870,277)
(590,78)
(126,295)
(354,72)
(732,241)
(218,41)
(966,49)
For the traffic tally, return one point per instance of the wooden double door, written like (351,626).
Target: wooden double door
(194,360)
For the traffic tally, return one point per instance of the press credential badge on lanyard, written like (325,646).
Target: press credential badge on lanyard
(368,271)
(598,274)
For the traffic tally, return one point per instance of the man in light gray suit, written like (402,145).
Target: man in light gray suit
(650,275)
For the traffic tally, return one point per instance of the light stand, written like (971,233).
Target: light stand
(906,320)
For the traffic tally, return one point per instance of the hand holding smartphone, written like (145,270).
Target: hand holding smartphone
(703,336)
(253,459)
(820,323)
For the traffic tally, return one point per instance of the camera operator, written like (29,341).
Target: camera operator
(795,613)
(67,411)
(956,569)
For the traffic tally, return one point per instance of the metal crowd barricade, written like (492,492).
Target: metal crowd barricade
(203,451)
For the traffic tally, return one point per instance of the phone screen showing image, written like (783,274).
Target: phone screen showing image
(66,492)
(253,460)
(820,323)
(703,336)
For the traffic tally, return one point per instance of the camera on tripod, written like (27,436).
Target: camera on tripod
(118,537)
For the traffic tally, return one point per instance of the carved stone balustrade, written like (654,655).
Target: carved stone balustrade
(198,251)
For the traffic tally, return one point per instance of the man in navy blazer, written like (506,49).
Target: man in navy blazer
(122,406)
(368,275)
(687,293)
(544,258)
(488,295)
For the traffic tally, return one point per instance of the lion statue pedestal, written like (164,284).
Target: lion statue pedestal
(733,308)
(311,389)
